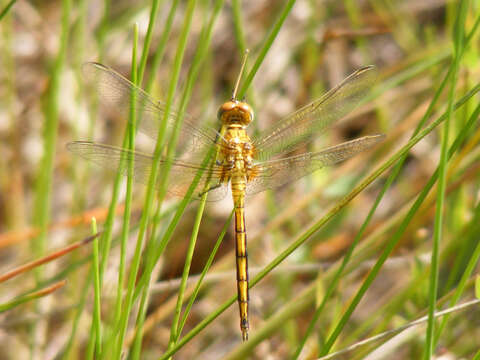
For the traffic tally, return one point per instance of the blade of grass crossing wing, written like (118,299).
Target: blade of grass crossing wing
(153,178)
(155,250)
(125,144)
(139,76)
(146,46)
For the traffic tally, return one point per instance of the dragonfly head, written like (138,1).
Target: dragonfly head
(235,112)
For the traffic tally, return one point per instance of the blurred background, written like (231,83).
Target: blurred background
(302,49)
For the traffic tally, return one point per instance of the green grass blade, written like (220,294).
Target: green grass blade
(266,46)
(477,356)
(6,9)
(67,355)
(43,189)
(238,26)
(204,272)
(129,185)
(96,310)
(42,203)
(477,286)
(475,228)
(103,28)
(144,282)
(94,346)
(439,210)
(159,52)
(148,38)
(174,330)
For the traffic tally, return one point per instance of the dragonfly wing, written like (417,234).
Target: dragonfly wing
(181,174)
(118,92)
(275,173)
(299,127)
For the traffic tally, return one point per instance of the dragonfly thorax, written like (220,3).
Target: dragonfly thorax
(235,112)
(237,149)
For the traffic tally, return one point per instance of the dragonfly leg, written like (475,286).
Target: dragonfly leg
(213,187)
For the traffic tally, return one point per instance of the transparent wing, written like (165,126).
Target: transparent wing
(116,91)
(181,173)
(299,127)
(275,173)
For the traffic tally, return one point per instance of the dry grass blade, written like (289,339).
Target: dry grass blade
(55,255)
(32,296)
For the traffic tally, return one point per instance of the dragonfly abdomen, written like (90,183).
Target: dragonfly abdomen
(238,191)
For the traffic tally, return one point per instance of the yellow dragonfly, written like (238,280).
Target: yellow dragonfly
(248,165)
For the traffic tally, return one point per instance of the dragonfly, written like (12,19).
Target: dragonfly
(247,165)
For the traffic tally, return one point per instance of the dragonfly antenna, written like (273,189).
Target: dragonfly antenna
(237,84)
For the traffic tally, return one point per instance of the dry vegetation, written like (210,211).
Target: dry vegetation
(48,196)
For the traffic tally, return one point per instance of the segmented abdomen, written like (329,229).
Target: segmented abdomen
(238,191)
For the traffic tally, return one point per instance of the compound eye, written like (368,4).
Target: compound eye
(247,109)
(229,105)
